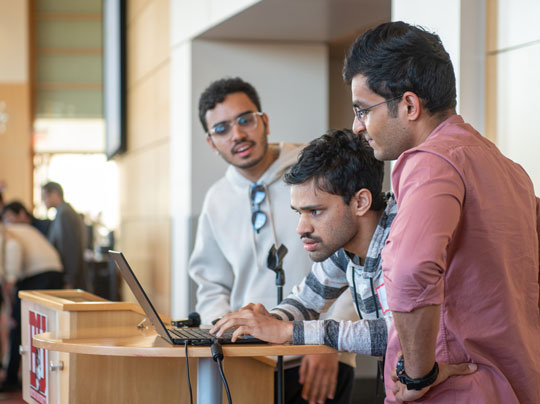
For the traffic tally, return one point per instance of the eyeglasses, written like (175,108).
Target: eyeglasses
(245,121)
(258,217)
(361,114)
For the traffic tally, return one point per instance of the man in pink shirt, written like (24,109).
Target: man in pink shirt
(461,264)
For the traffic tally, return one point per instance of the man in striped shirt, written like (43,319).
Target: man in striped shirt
(344,222)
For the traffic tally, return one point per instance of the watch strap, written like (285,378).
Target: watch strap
(418,383)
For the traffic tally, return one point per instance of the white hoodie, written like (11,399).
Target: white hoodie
(228,262)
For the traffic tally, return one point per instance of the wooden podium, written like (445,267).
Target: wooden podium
(80,348)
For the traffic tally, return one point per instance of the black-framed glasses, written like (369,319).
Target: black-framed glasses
(245,121)
(258,217)
(361,113)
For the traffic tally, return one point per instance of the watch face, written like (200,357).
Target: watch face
(400,365)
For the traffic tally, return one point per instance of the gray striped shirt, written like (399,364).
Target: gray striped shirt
(327,281)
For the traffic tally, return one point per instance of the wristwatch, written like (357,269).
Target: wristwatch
(419,383)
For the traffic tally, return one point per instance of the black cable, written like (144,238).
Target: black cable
(224,381)
(356,295)
(187,373)
(374,299)
(217,355)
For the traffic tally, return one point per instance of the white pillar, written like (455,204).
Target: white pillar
(461,26)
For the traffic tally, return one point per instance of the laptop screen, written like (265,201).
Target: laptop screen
(140,295)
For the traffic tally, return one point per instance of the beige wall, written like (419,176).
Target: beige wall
(144,169)
(15,101)
(495,48)
(284,73)
(513,81)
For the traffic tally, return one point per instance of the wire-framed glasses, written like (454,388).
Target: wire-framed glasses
(245,121)
(258,217)
(361,113)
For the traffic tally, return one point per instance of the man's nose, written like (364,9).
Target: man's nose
(358,126)
(304,226)
(237,134)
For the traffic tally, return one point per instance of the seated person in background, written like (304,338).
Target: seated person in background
(67,234)
(244,214)
(15,212)
(344,223)
(29,262)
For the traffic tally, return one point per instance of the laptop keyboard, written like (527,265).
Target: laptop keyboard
(197,333)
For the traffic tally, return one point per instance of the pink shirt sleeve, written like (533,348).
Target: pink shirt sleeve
(430,194)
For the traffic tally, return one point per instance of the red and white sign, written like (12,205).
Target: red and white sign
(38,360)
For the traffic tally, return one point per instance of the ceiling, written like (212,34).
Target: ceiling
(336,22)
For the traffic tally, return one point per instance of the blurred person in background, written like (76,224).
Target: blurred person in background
(67,234)
(28,262)
(16,212)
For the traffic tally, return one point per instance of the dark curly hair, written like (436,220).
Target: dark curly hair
(16,207)
(396,57)
(340,163)
(219,89)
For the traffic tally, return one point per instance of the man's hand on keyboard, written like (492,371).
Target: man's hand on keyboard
(255,320)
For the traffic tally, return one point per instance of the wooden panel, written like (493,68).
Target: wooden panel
(146,245)
(148,40)
(148,109)
(150,344)
(134,7)
(14,46)
(15,142)
(108,323)
(144,183)
(144,170)
(130,380)
(145,222)
(236,370)
(492,9)
(491,98)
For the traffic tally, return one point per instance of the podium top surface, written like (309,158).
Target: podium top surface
(73,300)
(152,345)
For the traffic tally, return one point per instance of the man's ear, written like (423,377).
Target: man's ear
(361,202)
(413,104)
(211,143)
(266,124)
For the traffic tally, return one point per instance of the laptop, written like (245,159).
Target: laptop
(174,336)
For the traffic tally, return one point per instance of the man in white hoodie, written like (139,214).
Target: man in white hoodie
(244,214)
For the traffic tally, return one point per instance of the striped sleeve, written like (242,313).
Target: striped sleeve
(367,337)
(315,294)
